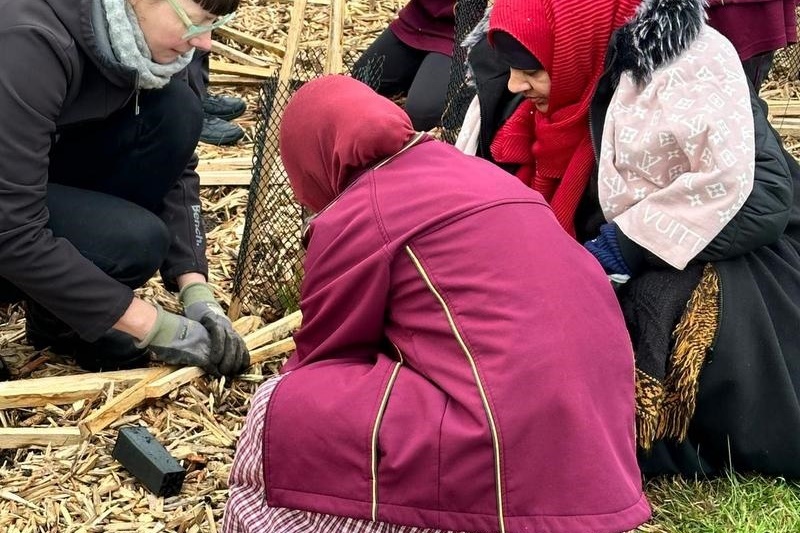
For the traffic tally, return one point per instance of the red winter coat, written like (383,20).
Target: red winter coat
(462,364)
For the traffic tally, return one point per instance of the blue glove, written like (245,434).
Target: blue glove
(605,248)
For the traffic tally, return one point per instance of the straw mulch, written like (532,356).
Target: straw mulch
(81,488)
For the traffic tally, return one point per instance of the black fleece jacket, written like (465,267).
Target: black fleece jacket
(53,76)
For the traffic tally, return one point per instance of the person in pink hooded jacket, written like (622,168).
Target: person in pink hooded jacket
(462,364)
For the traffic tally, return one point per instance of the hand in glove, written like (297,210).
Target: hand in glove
(228,350)
(179,341)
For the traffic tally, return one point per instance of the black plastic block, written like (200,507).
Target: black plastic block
(148,461)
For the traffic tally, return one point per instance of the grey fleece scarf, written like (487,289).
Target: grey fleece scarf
(130,47)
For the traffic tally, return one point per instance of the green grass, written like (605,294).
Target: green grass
(728,504)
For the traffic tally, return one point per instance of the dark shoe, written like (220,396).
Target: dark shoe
(224,107)
(217,131)
(115,350)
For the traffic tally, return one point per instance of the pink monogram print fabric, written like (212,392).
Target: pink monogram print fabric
(678,155)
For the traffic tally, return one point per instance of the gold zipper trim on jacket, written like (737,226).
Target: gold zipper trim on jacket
(375,429)
(481,390)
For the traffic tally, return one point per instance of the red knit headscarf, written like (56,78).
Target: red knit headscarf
(570,39)
(333,128)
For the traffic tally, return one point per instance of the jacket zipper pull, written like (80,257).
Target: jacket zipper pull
(136,103)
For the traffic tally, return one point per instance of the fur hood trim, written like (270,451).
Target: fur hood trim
(659,32)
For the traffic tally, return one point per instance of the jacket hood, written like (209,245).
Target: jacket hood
(80,23)
(659,32)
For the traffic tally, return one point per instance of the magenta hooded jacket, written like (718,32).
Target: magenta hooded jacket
(462,364)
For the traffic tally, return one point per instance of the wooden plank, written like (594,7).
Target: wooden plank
(251,40)
(279,329)
(216,178)
(233,79)
(271,350)
(218,67)
(310,2)
(225,163)
(235,55)
(269,155)
(24,437)
(119,405)
(784,108)
(787,126)
(63,389)
(333,59)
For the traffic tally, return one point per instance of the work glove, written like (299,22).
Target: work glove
(228,350)
(176,340)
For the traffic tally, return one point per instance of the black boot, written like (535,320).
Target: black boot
(115,350)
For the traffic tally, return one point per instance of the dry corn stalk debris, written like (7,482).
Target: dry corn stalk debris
(79,487)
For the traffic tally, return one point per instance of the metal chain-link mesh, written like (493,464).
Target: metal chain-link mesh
(269,265)
(459,94)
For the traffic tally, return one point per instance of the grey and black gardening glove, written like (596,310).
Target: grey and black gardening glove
(228,350)
(176,340)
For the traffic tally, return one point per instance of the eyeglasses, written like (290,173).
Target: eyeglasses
(192,29)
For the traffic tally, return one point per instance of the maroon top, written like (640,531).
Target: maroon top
(754,26)
(462,361)
(427,25)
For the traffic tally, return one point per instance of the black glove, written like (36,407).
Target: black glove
(176,340)
(228,349)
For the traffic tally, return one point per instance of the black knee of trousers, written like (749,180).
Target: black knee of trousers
(172,117)
(142,249)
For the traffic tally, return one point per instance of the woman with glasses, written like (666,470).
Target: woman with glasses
(98,188)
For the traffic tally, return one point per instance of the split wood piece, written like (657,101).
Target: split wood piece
(171,381)
(333,59)
(232,79)
(269,351)
(219,67)
(113,410)
(216,178)
(236,55)
(250,40)
(277,330)
(61,390)
(23,437)
(269,155)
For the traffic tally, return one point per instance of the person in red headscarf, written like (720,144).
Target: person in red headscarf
(445,379)
(636,123)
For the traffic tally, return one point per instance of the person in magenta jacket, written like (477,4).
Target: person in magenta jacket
(462,364)
(415,53)
(757,29)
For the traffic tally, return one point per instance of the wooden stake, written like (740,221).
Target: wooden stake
(216,178)
(279,329)
(120,405)
(23,437)
(250,40)
(219,67)
(63,389)
(333,60)
(269,158)
(232,79)
(235,55)
(271,350)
